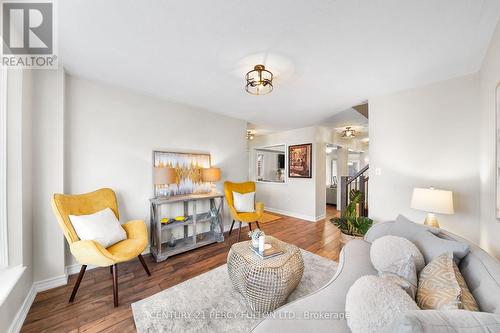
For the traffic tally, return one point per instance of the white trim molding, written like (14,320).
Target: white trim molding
(54,282)
(4,246)
(320,217)
(20,317)
(9,277)
(293,214)
(75,268)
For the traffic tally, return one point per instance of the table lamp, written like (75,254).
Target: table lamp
(164,176)
(210,175)
(433,202)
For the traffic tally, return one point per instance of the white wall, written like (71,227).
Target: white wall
(48,172)
(324,136)
(298,196)
(489,79)
(422,137)
(111,133)
(319,167)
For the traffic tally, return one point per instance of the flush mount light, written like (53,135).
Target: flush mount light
(348,133)
(259,81)
(250,134)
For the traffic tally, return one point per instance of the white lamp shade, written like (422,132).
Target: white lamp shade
(432,200)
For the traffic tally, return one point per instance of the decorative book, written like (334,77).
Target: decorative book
(269,251)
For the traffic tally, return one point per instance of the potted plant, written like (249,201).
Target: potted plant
(254,235)
(351,225)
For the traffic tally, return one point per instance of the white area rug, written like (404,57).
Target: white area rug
(209,303)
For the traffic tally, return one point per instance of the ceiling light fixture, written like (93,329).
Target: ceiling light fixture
(348,133)
(259,81)
(250,134)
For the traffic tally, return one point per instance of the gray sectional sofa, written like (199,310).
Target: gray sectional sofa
(323,310)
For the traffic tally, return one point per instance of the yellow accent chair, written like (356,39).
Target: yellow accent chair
(249,218)
(88,252)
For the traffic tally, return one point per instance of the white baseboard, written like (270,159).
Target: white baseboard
(75,268)
(54,282)
(320,217)
(18,320)
(292,214)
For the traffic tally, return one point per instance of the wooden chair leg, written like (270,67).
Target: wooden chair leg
(258,226)
(141,259)
(231,229)
(115,284)
(250,226)
(77,283)
(239,233)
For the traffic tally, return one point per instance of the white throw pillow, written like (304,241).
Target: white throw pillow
(244,202)
(388,250)
(373,303)
(102,227)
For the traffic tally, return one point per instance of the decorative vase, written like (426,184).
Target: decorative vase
(172,241)
(262,242)
(255,243)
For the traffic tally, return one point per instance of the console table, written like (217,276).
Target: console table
(214,216)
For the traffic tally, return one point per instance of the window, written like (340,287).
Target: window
(4,261)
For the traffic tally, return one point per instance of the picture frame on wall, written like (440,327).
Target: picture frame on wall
(188,170)
(300,161)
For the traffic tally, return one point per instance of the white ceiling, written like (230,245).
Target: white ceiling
(349,117)
(327,55)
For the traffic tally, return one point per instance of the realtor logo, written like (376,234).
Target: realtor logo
(28,34)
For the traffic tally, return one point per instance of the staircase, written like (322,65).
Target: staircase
(358,182)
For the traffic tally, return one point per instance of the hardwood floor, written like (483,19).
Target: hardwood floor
(93,311)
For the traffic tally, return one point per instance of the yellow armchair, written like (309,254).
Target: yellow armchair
(89,252)
(249,218)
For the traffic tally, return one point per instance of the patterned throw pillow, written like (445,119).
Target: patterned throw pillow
(438,287)
(467,300)
(442,287)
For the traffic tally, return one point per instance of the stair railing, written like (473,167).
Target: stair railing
(358,182)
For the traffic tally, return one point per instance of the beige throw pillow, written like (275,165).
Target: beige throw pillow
(468,302)
(442,287)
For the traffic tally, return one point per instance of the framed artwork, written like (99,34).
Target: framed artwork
(188,172)
(300,161)
(497,148)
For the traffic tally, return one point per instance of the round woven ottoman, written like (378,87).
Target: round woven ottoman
(265,283)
